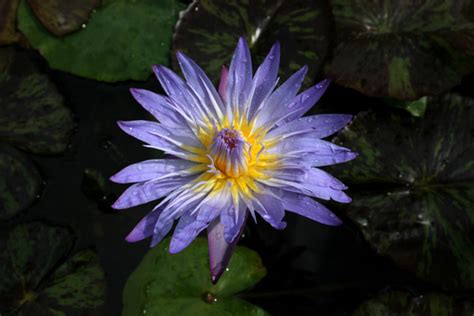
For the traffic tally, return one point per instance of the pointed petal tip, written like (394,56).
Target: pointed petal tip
(113,178)
(217,271)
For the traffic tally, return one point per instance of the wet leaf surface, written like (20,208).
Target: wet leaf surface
(402,49)
(20,183)
(63,17)
(414,184)
(209,30)
(181,285)
(32,116)
(38,279)
(121,41)
(405,304)
(8,32)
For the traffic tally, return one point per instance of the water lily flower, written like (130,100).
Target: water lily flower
(242,149)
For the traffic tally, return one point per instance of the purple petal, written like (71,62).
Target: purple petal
(159,107)
(223,83)
(306,100)
(276,105)
(233,219)
(200,84)
(220,251)
(265,78)
(144,228)
(178,91)
(317,126)
(240,75)
(317,160)
(306,206)
(159,137)
(322,178)
(303,145)
(150,169)
(160,230)
(271,209)
(321,192)
(140,130)
(141,193)
(185,232)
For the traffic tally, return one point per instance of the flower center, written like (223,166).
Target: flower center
(230,152)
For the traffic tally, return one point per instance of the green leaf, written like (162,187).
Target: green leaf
(121,41)
(20,183)
(37,278)
(402,303)
(417,108)
(402,49)
(32,116)
(78,283)
(209,30)
(414,183)
(63,17)
(165,284)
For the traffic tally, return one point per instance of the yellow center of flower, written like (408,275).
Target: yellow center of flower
(235,157)
(230,152)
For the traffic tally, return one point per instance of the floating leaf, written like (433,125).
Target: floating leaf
(165,284)
(121,41)
(34,282)
(19,182)
(404,304)
(208,32)
(402,49)
(417,108)
(32,116)
(63,17)
(8,32)
(416,203)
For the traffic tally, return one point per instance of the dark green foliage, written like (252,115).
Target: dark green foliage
(402,49)
(209,30)
(414,183)
(39,279)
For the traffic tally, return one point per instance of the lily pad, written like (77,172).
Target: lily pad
(208,32)
(121,41)
(37,279)
(414,183)
(20,183)
(8,32)
(32,116)
(165,284)
(63,17)
(402,49)
(405,304)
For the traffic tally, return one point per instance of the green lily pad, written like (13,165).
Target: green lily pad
(32,116)
(8,32)
(63,17)
(208,32)
(405,304)
(414,183)
(121,41)
(20,183)
(402,49)
(37,279)
(165,284)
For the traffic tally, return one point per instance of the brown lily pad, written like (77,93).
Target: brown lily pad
(63,17)
(8,32)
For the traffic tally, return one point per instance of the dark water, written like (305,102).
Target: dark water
(312,268)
